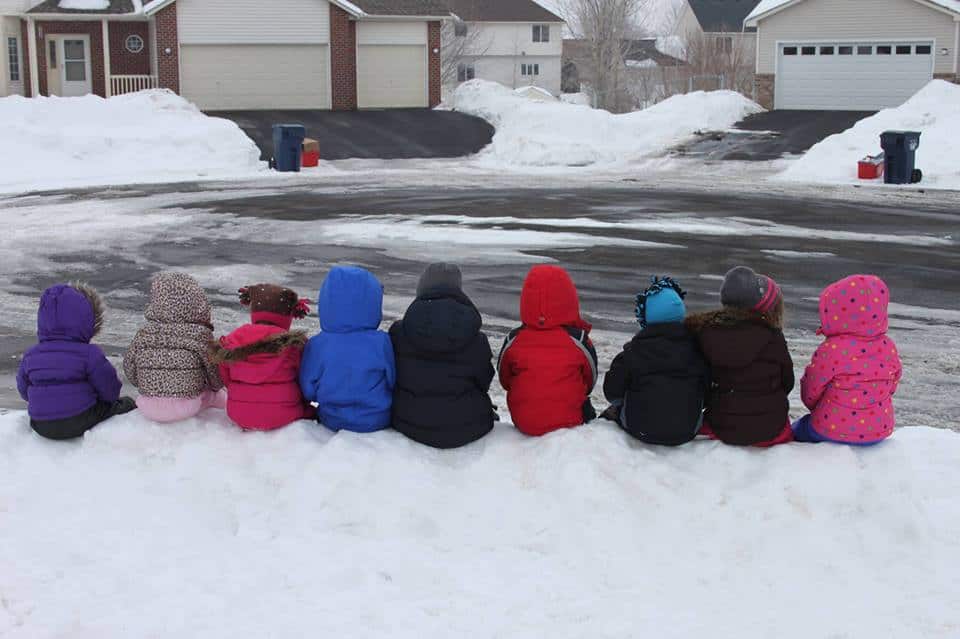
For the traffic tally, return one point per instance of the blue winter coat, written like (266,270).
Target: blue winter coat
(348,369)
(65,375)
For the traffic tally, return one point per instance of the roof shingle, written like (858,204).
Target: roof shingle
(722,16)
(428,8)
(116,7)
(501,11)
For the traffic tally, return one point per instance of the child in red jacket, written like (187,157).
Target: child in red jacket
(548,366)
(260,361)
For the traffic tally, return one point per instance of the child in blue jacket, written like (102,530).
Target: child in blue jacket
(348,369)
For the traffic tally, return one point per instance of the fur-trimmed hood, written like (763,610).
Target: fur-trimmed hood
(727,317)
(230,349)
(69,312)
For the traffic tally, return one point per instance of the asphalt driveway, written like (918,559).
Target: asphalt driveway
(772,134)
(377,134)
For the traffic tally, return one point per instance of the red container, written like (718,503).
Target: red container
(311,158)
(870,167)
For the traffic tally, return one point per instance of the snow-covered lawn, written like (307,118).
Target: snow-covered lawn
(557,134)
(934,111)
(200,530)
(151,136)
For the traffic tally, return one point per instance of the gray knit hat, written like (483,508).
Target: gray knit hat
(440,276)
(743,288)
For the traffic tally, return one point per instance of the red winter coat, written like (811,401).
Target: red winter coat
(260,367)
(548,366)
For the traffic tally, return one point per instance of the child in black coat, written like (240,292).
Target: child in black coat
(658,382)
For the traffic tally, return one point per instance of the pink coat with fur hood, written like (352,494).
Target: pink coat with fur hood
(850,382)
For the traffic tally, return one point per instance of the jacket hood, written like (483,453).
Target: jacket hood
(255,339)
(351,299)
(856,305)
(69,312)
(177,298)
(442,322)
(549,299)
(744,335)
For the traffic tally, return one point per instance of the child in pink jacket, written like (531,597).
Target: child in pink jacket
(850,382)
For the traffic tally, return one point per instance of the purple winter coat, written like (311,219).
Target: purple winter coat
(65,375)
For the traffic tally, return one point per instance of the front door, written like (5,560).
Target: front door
(68,65)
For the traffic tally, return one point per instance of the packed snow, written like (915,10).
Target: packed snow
(151,136)
(543,134)
(934,111)
(198,529)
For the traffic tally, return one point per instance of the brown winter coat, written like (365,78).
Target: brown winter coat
(751,372)
(171,355)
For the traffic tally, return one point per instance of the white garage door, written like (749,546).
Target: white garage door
(255,76)
(855,76)
(391,76)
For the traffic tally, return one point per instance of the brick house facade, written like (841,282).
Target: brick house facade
(389,34)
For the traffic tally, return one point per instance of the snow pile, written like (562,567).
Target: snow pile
(580,98)
(934,111)
(85,5)
(152,136)
(535,93)
(532,133)
(198,529)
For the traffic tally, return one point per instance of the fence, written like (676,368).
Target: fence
(120,84)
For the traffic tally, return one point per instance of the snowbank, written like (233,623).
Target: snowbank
(199,530)
(934,111)
(530,133)
(152,136)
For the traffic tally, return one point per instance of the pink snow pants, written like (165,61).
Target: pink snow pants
(166,410)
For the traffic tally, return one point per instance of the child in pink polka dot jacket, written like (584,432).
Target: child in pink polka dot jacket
(850,382)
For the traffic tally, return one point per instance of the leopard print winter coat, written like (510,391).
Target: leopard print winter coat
(171,355)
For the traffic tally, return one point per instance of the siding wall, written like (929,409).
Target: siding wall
(854,20)
(392,33)
(497,38)
(254,21)
(12,7)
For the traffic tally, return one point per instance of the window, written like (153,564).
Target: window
(460,29)
(74,61)
(13,59)
(134,43)
(808,51)
(924,49)
(845,51)
(885,50)
(864,50)
(53,54)
(465,72)
(529,69)
(790,51)
(904,49)
(724,44)
(826,50)
(541,33)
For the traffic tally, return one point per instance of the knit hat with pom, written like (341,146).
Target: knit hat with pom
(272,304)
(744,288)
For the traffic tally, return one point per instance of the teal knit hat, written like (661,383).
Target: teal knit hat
(661,303)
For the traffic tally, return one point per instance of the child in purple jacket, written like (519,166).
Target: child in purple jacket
(68,384)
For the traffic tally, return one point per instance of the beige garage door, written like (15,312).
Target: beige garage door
(391,76)
(255,76)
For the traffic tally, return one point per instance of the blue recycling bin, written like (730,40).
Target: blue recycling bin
(288,147)
(900,149)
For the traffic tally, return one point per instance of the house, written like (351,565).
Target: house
(514,42)
(229,54)
(720,24)
(858,55)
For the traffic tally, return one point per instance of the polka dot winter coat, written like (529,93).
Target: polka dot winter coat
(849,384)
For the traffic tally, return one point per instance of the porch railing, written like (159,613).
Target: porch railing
(120,84)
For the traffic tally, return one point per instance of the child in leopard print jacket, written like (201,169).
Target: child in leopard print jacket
(169,360)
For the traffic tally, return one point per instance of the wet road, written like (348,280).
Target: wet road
(611,239)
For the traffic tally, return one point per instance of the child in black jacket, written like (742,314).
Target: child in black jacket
(658,382)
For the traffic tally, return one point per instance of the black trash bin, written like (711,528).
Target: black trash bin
(900,148)
(287,146)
